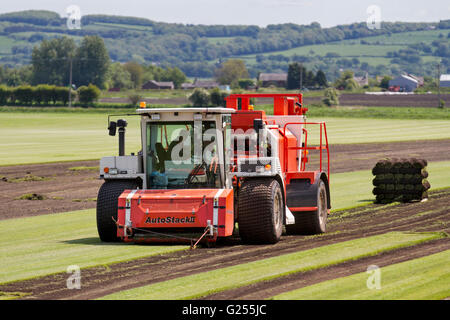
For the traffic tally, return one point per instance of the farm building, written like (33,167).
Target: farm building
(444,81)
(152,84)
(362,81)
(273,79)
(205,84)
(404,83)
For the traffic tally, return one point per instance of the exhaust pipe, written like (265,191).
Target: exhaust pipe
(121,124)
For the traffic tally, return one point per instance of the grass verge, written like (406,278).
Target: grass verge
(418,279)
(203,284)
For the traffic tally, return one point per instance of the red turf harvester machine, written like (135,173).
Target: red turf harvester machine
(204,172)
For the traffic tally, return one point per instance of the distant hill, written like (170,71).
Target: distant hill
(196,48)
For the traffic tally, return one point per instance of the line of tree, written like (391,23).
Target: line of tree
(46,94)
(54,60)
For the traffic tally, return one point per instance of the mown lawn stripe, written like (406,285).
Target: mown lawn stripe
(48,244)
(203,284)
(422,278)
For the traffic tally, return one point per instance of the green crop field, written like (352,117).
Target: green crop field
(51,137)
(202,284)
(418,279)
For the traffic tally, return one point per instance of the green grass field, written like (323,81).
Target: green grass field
(52,137)
(418,279)
(374,53)
(47,244)
(202,284)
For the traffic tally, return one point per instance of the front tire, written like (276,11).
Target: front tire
(107,206)
(260,211)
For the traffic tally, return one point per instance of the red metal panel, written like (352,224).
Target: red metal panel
(298,209)
(244,119)
(180,208)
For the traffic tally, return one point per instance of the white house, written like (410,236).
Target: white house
(444,81)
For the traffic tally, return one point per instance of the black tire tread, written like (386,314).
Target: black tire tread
(107,207)
(255,206)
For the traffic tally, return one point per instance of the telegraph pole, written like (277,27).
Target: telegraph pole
(439,83)
(301,76)
(70,83)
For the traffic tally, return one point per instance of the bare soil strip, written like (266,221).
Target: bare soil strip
(64,189)
(368,100)
(69,190)
(432,215)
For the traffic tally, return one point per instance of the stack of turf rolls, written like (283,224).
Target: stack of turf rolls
(400,180)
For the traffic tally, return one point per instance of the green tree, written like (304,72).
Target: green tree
(385,82)
(175,75)
(293,78)
(218,97)
(88,94)
(200,97)
(51,61)
(5,93)
(331,97)
(321,79)
(231,71)
(346,81)
(136,73)
(119,77)
(245,83)
(24,94)
(91,62)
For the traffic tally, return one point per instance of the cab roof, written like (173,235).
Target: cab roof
(185,110)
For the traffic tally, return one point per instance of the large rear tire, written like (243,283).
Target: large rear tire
(107,199)
(260,211)
(312,222)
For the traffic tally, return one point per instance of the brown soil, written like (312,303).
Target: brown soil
(431,215)
(63,189)
(364,156)
(66,190)
(410,100)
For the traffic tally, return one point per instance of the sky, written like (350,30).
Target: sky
(249,12)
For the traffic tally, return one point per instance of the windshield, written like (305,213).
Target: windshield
(182,155)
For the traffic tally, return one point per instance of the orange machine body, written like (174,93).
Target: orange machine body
(178,209)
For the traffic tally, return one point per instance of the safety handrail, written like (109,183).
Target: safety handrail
(323,132)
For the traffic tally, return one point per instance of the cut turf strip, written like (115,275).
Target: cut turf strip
(418,279)
(48,244)
(268,289)
(202,284)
